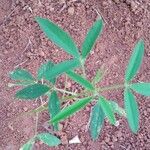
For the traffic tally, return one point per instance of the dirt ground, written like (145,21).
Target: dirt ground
(22,44)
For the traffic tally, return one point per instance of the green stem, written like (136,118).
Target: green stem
(65,86)
(84,93)
(34,111)
(82,67)
(36,123)
(64,91)
(113,87)
(83,70)
(45,107)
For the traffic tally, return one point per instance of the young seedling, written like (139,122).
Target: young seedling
(47,75)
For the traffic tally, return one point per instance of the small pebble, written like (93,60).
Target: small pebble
(29,54)
(42,54)
(40,142)
(60,127)
(68,85)
(25,108)
(51,9)
(5,52)
(107,139)
(145,112)
(119,134)
(88,108)
(75,140)
(62,1)
(8,114)
(114,139)
(71,10)
(116,1)
(64,138)
(117,123)
(83,1)
(10,127)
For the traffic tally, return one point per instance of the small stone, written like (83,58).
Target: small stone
(83,1)
(29,54)
(42,54)
(71,10)
(60,127)
(10,127)
(5,52)
(119,134)
(114,139)
(107,139)
(145,112)
(64,138)
(116,1)
(75,140)
(68,85)
(51,8)
(117,123)
(87,6)
(139,24)
(62,1)
(8,114)
(88,108)
(25,108)
(40,142)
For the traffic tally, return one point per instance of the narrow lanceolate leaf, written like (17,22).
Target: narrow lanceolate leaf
(58,36)
(54,107)
(32,91)
(96,121)
(135,61)
(44,69)
(141,88)
(107,109)
(28,145)
(91,37)
(48,139)
(21,74)
(79,79)
(61,68)
(117,109)
(66,112)
(132,110)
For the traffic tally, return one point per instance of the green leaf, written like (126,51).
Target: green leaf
(132,110)
(91,37)
(21,74)
(28,145)
(117,109)
(79,79)
(61,68)
(107,109)
(54,107)
(58,36)
(42,71)
(96,121)
(32,91)
(48,139)
(135,61)
(142,88)
(66,112)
